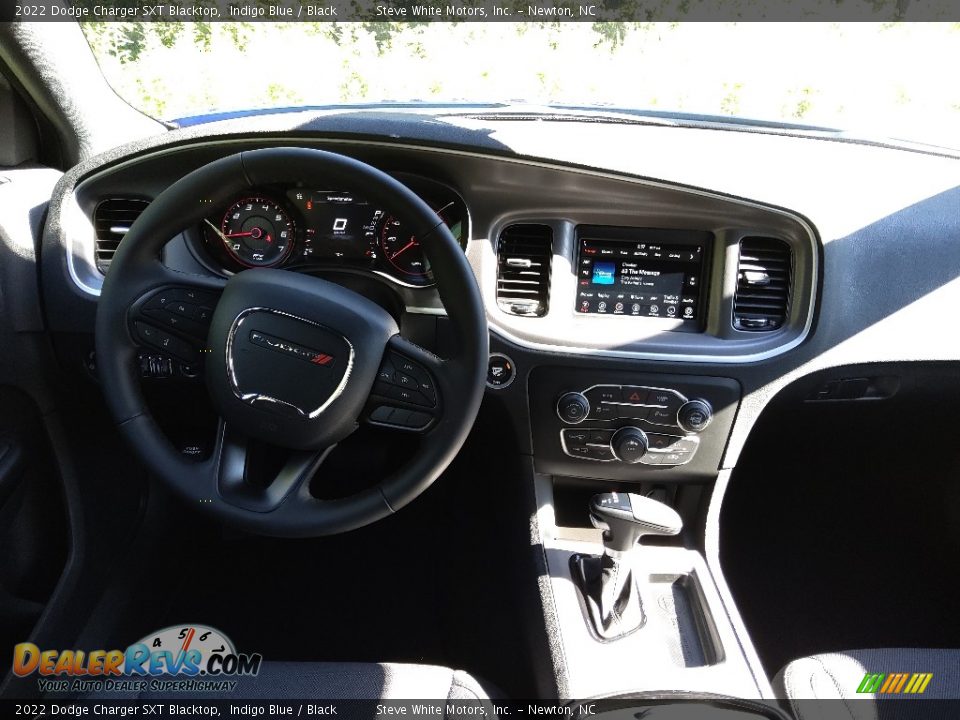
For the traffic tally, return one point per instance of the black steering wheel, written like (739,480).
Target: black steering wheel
(290,359)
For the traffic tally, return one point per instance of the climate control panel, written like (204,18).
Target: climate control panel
(628,444)
(626,426)
(654,406)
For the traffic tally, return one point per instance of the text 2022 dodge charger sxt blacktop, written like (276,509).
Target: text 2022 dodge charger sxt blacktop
(467,408)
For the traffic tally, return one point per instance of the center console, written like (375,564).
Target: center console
(619,456)
(671,635)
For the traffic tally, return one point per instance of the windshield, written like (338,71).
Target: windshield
(878,79)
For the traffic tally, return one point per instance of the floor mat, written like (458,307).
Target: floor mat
(437,583)
(841,526)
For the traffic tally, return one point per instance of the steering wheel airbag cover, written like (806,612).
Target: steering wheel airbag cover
(293,357)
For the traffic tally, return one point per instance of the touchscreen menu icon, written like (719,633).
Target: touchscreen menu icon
(604,273)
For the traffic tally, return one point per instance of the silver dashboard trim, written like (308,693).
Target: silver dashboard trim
(254,398)
(650,451)
(696,358)
(76,249)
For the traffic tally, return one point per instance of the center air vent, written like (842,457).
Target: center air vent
(112,218)
(763,284)
(524,253)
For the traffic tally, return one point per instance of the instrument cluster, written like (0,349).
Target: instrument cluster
(302,228)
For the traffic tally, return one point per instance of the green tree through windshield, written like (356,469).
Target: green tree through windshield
(876,78)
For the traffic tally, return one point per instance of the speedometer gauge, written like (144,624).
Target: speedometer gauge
(402,249)
(257,232)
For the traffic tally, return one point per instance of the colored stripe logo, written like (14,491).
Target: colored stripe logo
(895,683)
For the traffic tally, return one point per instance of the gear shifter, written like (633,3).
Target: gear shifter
(606,583)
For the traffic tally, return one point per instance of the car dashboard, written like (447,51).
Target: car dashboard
(653,257)
(649,289)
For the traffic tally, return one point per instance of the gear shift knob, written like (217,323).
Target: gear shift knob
(625,518)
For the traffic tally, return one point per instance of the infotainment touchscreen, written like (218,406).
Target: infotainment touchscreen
(641,272)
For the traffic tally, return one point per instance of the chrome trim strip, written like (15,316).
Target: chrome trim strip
(650,451)
(253,398)
(81,256)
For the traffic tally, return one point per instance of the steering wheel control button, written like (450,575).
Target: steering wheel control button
(695,415)
(403,379)
(163,340)
(418,420)
(573,408)
(381,414)
(500,371)
(183,309)
(155,366)
(629,444)
(400,418)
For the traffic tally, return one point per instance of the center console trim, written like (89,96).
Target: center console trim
(577,656)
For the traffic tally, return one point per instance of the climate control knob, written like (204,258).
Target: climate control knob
(629,444)
(695,415)
(573,408)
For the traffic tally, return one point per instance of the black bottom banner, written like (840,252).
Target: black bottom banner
(662,708)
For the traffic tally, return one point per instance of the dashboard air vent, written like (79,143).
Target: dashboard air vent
(112,218)
(524,254)
(763,284)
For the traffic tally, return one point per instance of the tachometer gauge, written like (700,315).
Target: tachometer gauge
(257,232)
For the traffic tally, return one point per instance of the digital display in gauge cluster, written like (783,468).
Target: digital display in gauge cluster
(297,227)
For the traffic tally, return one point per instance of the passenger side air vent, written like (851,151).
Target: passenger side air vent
(763,284)
(524,254)
(112,218)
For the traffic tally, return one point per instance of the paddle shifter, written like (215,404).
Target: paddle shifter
(606,583)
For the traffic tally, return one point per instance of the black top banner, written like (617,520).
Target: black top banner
(420,11)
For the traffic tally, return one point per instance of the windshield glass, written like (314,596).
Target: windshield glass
(887,79)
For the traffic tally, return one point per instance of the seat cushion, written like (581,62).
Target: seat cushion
(343,681)
(826,686)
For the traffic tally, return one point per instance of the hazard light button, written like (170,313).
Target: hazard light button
(633,395)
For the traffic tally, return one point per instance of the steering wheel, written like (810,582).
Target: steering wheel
(289,359)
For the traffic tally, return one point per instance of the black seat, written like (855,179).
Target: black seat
(343,681)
